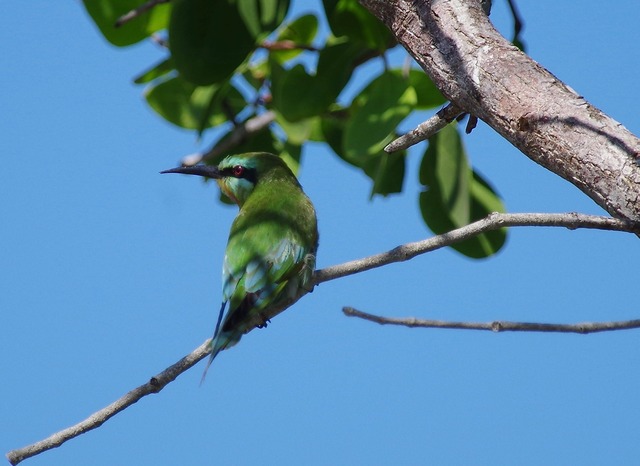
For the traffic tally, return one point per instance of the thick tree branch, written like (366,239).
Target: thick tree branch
(398,254)
(496,325)
(485,75)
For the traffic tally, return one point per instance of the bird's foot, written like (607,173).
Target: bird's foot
(264,322)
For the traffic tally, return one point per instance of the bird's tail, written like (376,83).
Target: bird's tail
(212,342)
(220,341)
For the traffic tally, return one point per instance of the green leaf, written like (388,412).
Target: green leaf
(298,95)
(445,166)
(208,40)
(376,112)
(156,71)
(297,132)
(189,106)
(302,31)
(484,201)
(385,170)
(336,62)
(290,153)
(262,17)
(262,141)
(518,43)
(256,73)
(292,95)
(428,94)
(457,195)
(315,133)
(175,101)
(387,173)
(349,18)
(433,212)
(226,101)
(105,13)
(332,129)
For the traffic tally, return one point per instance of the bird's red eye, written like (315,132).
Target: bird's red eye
(238,171)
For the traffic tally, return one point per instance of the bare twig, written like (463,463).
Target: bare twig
(286,45)
(492,222)
(138,11)
(497,325)
(160,41)
(239,134)
(398,254)
(229,112)
(154,385)
(425,129)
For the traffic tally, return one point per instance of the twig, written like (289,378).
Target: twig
(138,11)
(228,111)
(492,222)
(160,41)
(401,253)
(497,325)
(426,129)
(286,45)
(239,134)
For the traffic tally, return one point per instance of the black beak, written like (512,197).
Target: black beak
(209,171)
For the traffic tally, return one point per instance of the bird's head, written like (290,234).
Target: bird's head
(238,175)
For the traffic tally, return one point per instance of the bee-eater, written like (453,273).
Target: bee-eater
(271,251)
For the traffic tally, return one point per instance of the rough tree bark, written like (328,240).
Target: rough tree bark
(484,74)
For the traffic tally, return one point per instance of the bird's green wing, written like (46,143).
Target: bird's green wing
(259,265)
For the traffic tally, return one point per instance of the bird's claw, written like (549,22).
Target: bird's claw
(264,322)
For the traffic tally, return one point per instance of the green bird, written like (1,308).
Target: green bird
(271,251)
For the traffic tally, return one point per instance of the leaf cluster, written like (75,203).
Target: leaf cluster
(230,60)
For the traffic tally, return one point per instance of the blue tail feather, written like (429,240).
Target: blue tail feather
(212,344)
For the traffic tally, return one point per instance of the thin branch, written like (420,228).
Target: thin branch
(160,40)
(425,129)
(492,222)
(496,325)
(401,253)
(236,137)
(138,11)
(286,45)
(229,112)
(154,385)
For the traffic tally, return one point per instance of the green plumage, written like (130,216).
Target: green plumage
(270,254)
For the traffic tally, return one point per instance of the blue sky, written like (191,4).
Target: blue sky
(110,273)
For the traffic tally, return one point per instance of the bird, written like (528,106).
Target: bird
(271,251)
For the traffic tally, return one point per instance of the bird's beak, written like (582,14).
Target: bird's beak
(209,171)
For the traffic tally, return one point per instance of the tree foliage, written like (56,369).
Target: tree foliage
(230,60)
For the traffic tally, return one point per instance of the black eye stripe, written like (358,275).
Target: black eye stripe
(248,174)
